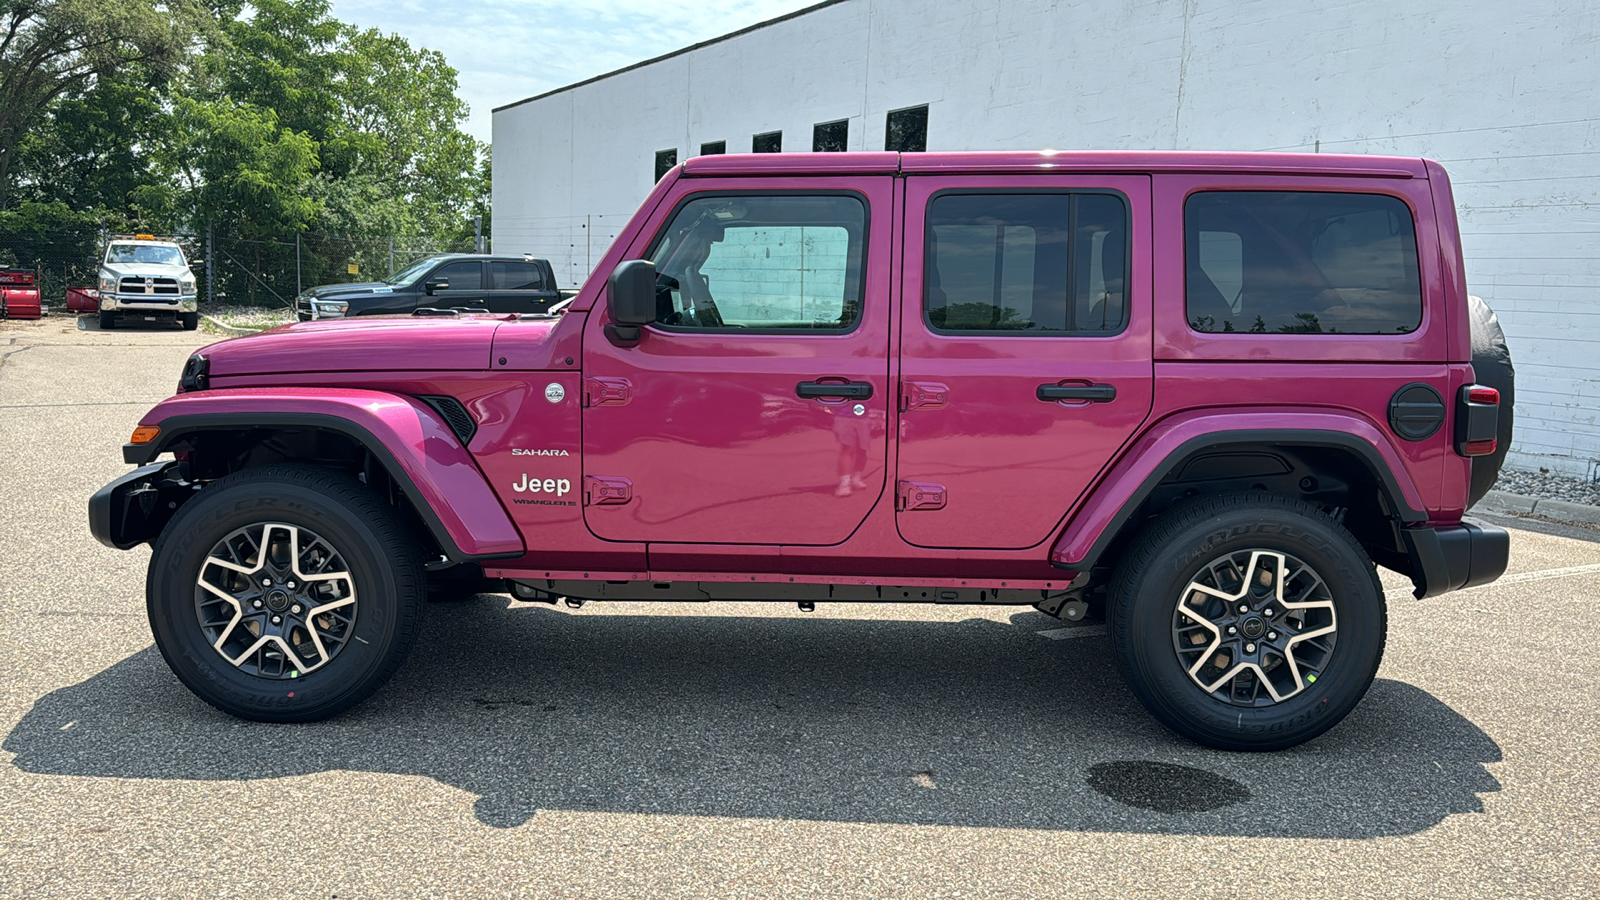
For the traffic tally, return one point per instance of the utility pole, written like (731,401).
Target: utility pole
(391,254)
(297,263)
(477,234)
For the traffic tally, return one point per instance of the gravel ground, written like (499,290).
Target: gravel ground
(1549,486)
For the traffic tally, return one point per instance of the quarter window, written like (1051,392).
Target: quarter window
(1052,264)
(769,262)
(1301,262)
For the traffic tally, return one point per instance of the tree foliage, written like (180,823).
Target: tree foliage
(264,120)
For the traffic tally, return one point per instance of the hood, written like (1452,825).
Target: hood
(368,344)
(143,270)
(328,291)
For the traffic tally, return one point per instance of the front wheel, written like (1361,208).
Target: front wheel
(189,321)
(108,321)
(285,594)
(1248,621)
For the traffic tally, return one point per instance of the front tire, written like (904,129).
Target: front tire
(108,321)
(1247,621)
(189,321)
(285,593)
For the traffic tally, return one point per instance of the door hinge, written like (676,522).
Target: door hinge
(607,391)
(919,495)
(606,490)
(919,394)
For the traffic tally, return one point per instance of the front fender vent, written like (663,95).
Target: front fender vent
(455,415)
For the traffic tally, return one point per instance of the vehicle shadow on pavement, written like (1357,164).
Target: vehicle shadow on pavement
(972,723)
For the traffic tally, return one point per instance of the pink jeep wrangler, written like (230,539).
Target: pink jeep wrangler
(1198,394)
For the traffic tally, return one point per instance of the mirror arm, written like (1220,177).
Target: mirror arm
(623,335)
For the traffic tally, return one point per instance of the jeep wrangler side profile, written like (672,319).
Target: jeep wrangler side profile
(1200,394)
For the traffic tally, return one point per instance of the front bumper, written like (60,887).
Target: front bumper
(1454,557)
(133,509)
(144,303)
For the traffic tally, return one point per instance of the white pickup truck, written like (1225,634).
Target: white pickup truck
(146,279)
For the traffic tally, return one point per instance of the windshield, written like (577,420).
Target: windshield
(153,254)
(412,272)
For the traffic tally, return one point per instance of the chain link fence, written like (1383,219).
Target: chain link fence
(229,270)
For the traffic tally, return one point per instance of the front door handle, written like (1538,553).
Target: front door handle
(1094,393)
(836,390)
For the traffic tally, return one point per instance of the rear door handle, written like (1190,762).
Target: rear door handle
(1094,393)
(845,390)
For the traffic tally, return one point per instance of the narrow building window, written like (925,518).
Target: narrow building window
(770,142)
(907,130)
(712,148)
(665,160)
(830,137)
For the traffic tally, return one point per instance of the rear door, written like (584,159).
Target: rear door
(1025,350)
(519,286)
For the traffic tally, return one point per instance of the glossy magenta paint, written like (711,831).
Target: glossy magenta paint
(733,476)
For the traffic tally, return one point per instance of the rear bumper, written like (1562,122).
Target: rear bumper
(133,509)
(1457,556)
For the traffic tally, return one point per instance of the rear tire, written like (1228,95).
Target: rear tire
(108,321)
(285,593)
(189,321)
(1285,657)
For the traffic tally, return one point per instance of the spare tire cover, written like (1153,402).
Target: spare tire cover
(1491,367)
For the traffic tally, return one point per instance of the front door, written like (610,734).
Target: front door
(465,289)
(753,410)
(1025,351)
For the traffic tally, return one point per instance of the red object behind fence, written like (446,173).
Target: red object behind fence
(19,294)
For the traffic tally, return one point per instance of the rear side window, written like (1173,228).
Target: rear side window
(1292,262)
(1024,264)
(517,276)
(770,262)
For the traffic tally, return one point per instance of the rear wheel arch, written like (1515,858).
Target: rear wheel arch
(1347,474)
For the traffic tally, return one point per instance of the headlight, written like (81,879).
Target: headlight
(329,309)
(108,283)
(186,284)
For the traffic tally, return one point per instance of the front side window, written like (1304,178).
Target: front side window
(770,262)
(516,276)
(463,276)
(1046,264)
(1300,262)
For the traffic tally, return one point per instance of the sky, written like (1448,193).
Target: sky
(508,50)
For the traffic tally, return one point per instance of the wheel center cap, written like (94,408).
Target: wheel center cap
(278,600)
(1253,627)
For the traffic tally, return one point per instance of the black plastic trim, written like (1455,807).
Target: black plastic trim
(109,509)
(454,414)
(1416,412)
(180,426)
(1286,437)
(1456,556)
(1474,421)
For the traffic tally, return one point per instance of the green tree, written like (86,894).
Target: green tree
(55,48)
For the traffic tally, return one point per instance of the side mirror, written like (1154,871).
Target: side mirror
(435,284)
(631,300)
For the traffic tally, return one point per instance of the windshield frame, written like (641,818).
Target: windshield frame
(416,270)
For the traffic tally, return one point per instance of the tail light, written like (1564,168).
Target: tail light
(1477,420)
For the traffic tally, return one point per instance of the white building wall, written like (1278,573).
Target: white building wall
(1501,94)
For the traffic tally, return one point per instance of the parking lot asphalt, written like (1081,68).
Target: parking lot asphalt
(725,749)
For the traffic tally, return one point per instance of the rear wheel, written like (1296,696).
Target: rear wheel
(1247,621)
(285,594)
(108,321)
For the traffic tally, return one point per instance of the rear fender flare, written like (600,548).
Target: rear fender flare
(1093,526)
(407,438)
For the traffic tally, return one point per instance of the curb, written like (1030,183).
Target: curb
(1507,503)
(231,329)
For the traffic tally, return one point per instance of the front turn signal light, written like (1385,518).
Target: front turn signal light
(144,434)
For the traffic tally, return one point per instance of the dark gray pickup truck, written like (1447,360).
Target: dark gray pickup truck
(497,284)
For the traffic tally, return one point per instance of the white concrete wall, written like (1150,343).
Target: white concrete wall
(1501,93)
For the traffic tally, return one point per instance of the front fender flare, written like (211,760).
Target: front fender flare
(1093,526)
(413,444)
